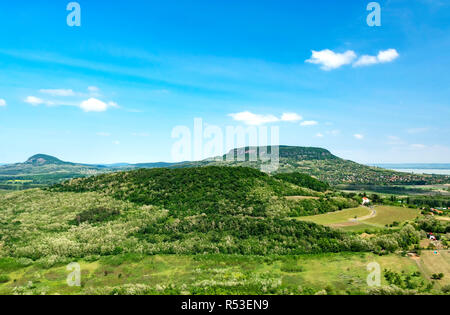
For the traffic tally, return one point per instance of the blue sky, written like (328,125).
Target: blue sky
(113,89)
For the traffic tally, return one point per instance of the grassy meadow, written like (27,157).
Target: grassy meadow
(340,273)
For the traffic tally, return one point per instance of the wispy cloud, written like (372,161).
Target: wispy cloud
(88,102)
(2,102)
(58,92)
(252,119)
(358,136)
(35,101)
(291,117)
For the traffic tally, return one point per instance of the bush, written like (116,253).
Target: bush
(437,276)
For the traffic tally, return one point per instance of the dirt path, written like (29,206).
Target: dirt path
(373,214)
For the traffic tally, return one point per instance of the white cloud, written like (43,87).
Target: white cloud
(93,105)
(358,136)
(331,60)
(93,89)
(58,92)
(254,119)
(388,55)
(319,135)
(309,123)
(34,100)
(366,61)
(384,56)
(2,102)
(116,142)
(291,117)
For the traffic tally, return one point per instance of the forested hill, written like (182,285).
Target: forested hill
(207,190)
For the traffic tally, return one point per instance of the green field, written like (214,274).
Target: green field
(343,273)
(337,217)
(389,215)
(345,219)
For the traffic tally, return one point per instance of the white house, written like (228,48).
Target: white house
(365,201)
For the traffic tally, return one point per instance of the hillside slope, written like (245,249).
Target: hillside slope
(209,190)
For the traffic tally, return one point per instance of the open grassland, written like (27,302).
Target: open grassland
(206,274)
(389,215)
(435,262)
(338,217)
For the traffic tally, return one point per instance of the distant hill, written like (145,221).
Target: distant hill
(41,170)
(43,159)
(325,166)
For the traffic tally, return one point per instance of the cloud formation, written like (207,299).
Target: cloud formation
(94,105)
(331,60)
(358,136)
(2,102)
(383,56)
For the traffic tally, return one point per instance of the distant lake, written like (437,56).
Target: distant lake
(424,171)
(439,169)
